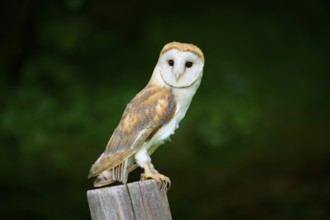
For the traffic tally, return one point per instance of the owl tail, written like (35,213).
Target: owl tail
(118,173)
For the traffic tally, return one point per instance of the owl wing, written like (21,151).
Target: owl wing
(148,111)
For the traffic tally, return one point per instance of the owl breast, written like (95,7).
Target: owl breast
(168,129)
(183,100)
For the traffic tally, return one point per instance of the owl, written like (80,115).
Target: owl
(152,116)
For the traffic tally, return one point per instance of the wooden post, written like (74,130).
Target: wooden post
(138,200)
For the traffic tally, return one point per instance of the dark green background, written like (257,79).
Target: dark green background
(254,144)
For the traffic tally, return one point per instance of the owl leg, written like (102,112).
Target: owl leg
(151,173)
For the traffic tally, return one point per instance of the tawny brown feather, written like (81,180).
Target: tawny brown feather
(183,47)
(148,111)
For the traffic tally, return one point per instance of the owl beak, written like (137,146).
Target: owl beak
(178,74)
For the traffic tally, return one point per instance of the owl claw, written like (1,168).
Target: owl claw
(163,181)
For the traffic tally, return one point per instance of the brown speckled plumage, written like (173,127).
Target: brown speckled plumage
(183,47)
(149,110)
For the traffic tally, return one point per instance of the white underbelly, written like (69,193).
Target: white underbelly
(162,134)
(183,99)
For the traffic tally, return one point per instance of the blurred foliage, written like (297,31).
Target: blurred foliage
(254,143)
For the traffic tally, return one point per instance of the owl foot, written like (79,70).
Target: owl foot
(150,173)
(163,181)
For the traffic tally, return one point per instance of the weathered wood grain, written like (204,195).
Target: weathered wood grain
(138,200)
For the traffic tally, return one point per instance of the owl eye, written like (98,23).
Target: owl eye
(171,62)
(189,64)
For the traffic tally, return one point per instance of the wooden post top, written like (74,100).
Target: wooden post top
(137,200)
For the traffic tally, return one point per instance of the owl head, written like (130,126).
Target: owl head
(180,65)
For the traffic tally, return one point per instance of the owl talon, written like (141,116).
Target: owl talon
(163,181)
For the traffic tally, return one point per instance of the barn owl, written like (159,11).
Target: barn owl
(152,116)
